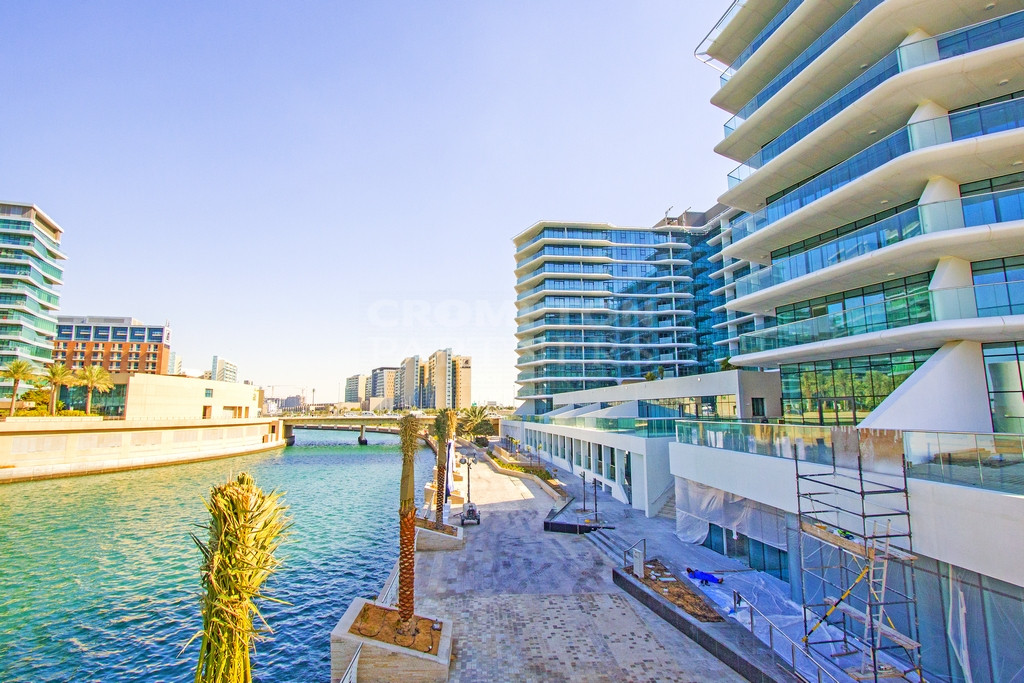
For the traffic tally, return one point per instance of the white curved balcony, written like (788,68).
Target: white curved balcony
(836,60)
(964,147)
(881,101)
(971,228)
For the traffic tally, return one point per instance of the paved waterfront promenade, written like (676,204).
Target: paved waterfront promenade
(534,606)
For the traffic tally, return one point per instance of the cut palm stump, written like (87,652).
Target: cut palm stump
(381,624)
(658,578)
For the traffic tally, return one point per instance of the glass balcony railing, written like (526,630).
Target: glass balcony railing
(933,49)
(38,323)
(800,442)
(761,37)
(639,426)
(564,268)
(955,303)
(883,315)
(620,238)
(961,125)
(566,286)
(970,211)
(989,461)
(813,51)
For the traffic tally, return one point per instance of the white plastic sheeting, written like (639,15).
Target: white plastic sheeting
(698,505)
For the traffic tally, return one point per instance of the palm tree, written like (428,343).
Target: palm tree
(474,421)
(444,429)
(93,377)
(246,528)
(19,371)
(408,428)
(57,375)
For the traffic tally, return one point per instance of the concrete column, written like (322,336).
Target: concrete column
(929,126)
(951,290)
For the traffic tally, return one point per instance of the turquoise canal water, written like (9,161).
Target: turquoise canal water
(99,579)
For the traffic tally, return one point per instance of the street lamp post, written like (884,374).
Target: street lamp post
(469,470)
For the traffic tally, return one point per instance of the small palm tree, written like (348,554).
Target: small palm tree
(57,375)
(474,421)
(408,428)
(19,371)
(246,528)
(93,377)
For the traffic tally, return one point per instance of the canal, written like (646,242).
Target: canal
(99,579)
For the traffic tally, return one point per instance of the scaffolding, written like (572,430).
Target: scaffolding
(856,550)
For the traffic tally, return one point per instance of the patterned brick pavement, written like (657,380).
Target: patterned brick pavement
(527,605)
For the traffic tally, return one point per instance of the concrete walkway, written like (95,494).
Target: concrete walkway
(769,595)
(534,606)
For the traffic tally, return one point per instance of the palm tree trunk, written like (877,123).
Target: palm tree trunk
(53,399)
(14,398)
(406,568)
(88,400)
(441,484)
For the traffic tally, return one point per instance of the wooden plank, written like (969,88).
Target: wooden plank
(850,546)
(887,631)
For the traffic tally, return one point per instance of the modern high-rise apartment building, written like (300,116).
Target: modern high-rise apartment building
(30,273)
(223,371)
(411,375)
(173,364)
(117,344)
(382,384)
(355,388)
(440,380)
(462,381)
(597,305)
(874,256)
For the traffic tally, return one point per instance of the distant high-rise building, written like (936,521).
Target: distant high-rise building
(462,367)
(411,375)
(439,380)
(31,255)
(355,388)
(173,364)
(117,344)
(223,371)
(382,384)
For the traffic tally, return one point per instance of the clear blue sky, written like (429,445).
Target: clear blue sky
(313,189)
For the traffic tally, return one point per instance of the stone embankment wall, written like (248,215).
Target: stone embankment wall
(42,448)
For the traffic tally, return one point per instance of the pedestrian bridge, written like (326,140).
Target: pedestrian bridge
(361,423)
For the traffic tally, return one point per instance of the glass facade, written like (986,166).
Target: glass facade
(843,391)
(883,306)
(692,407)
(1004,362)
(622,304)
(31,276)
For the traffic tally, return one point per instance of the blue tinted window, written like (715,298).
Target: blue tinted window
(120,334)
(83,333)
(64,331)
(138,334)
(101,333)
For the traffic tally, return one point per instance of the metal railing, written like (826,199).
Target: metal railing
(821,673)
(351,673)
(625,553)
